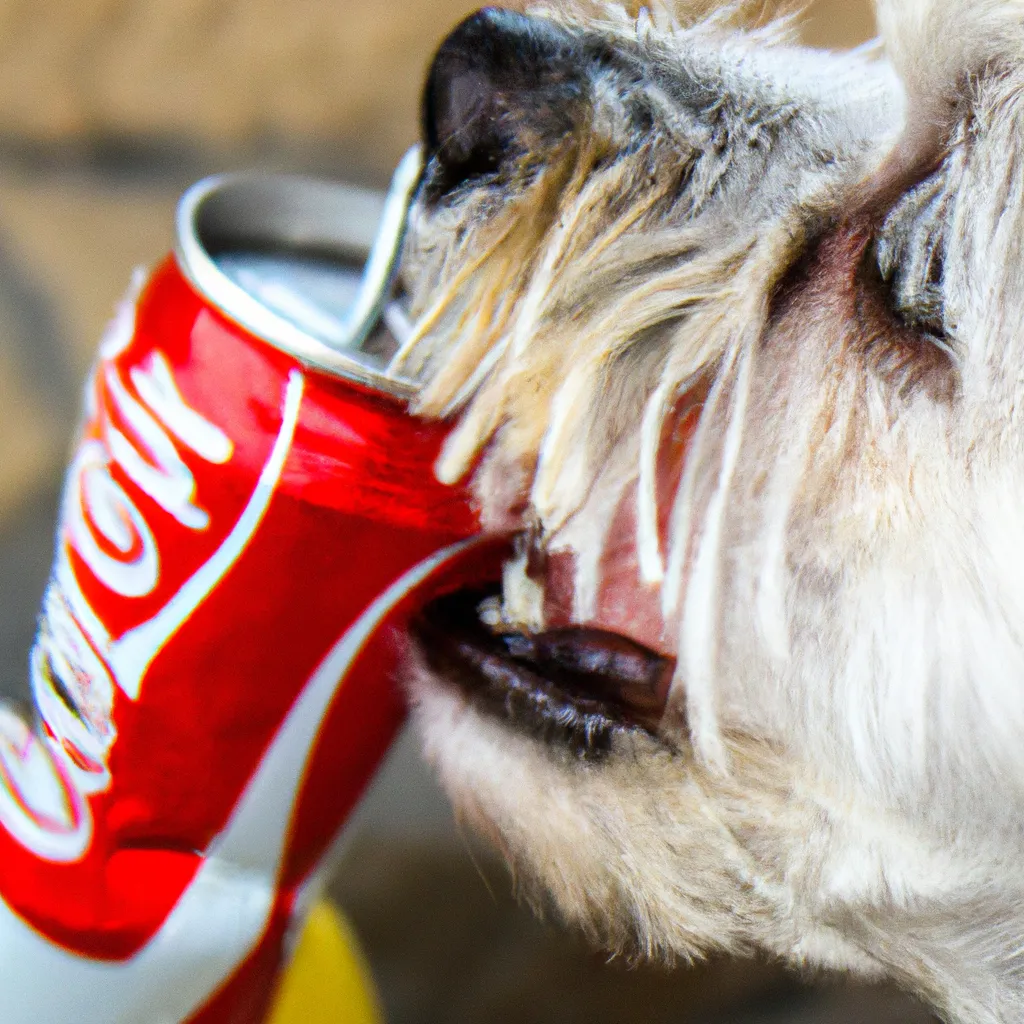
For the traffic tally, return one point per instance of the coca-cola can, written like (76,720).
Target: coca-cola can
(250,515)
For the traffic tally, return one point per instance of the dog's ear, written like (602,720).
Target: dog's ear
(502,85)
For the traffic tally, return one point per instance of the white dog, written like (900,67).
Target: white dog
(735,334)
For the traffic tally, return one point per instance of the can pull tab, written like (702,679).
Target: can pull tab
(375,288)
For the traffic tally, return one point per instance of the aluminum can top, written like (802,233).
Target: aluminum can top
(262,247)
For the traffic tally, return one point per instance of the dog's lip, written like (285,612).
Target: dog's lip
(620,600)
(578,685)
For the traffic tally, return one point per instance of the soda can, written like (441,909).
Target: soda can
(249,517)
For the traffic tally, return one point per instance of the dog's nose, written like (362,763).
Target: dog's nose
(501,84)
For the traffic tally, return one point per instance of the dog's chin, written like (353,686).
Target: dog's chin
(550,749)
(538,738)
(635,846)
(559,809)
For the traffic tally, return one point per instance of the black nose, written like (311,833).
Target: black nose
(501,84)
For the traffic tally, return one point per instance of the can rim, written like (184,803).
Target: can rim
(291,211)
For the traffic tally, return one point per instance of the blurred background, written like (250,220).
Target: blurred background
(108,110)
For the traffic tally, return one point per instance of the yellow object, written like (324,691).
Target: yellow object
(328,981)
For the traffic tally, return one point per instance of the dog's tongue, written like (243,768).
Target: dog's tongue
(624,603)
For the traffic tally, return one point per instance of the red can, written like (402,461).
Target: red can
(249,517)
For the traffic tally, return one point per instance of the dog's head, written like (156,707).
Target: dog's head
(732,333)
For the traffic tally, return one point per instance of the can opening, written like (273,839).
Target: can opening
(308,266)
(316,292)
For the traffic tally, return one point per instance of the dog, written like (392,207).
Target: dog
(731,336)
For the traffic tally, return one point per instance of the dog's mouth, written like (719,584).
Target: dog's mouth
(575,687)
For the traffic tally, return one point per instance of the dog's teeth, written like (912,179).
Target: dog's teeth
(523,595)
(492,615)
(490,612)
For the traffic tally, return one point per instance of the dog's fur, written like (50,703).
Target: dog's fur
(827,250)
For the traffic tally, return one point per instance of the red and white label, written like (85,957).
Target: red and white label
(239,539)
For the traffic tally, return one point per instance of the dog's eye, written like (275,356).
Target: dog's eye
(910,253)
(500,86)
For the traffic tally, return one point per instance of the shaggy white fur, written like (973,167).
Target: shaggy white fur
(835,263)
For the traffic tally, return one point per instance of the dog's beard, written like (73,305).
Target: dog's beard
(737,364)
